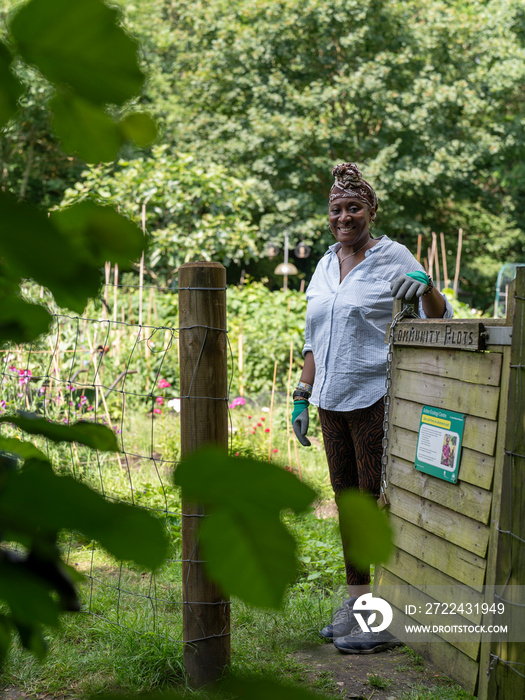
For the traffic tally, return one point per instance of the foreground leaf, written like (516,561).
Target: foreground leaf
(100,234)
(211,477)
(247,549)
(253,688)
(253,558)
(85,128)
(26,450)
(79,45)
(27,596)
(37,250)
(140,128)
(10,87)
(365,529)
(21,321)
(93,435)
(37,499)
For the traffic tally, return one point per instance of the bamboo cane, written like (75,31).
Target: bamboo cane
(115,293)
(419,241)
(444,259)
(241,365)
(107,270)
(435,257)
(141,268)
(271,413)
(288,388)
(458,260)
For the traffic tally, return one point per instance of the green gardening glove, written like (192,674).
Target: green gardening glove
(410,285)
(300,421)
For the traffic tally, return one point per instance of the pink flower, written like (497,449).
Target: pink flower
(235,455)
(157,410)
(249,417)
(267,430)
(159,400)
(239,401)
(12,368)
(24,376)
(2,408)
(253,432)
(275,449)
(164,384)
(260,425)
(263,418)
(83,401)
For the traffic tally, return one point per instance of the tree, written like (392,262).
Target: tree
(193,210)
(426,97)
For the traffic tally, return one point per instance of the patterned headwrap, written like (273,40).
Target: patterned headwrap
(350,183)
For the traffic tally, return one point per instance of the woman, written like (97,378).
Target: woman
(349,307)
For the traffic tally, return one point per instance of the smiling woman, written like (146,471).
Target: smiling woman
(350,303)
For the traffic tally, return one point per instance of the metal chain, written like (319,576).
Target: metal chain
(406,311)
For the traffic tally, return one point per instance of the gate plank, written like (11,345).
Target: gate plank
(482,368)
(417,573)
(399,595)
(453,560)
(434,518)
(452,394)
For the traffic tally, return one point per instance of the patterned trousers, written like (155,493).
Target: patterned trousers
(353,444)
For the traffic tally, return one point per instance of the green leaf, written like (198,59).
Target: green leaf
(365,529)
(21,321)
(5,636)
(32,639)
(99,437)
(251,557)
(140,128)
(26,450)
(211,477)
(247,549)
(10,87)
(37,499)
(255,688)
(166,695)
(79,45)
(37,250)
(85,128)
(27,596)
(101,234)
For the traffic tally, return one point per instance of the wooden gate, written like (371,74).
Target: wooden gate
(470,533)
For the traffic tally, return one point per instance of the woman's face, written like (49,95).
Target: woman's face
(349,220)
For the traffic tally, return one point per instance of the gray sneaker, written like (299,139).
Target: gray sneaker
(359,642)
(343,621)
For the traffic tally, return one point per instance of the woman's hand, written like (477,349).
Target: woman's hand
(300,421)
(420,285)
(410,285)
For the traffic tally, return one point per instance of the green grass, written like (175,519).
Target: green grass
(436,693)
(377,681)
(131,644)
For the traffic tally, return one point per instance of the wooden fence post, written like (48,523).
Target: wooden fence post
(204,420)
(502,672)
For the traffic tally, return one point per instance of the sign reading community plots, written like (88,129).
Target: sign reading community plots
(439,443)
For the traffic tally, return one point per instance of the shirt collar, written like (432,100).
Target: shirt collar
(380,242)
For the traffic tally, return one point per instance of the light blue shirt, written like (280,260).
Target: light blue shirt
(346,324)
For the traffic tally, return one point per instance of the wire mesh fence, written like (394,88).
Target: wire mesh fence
(126,376)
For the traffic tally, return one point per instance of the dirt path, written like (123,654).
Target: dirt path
(385,676)
(361,677)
